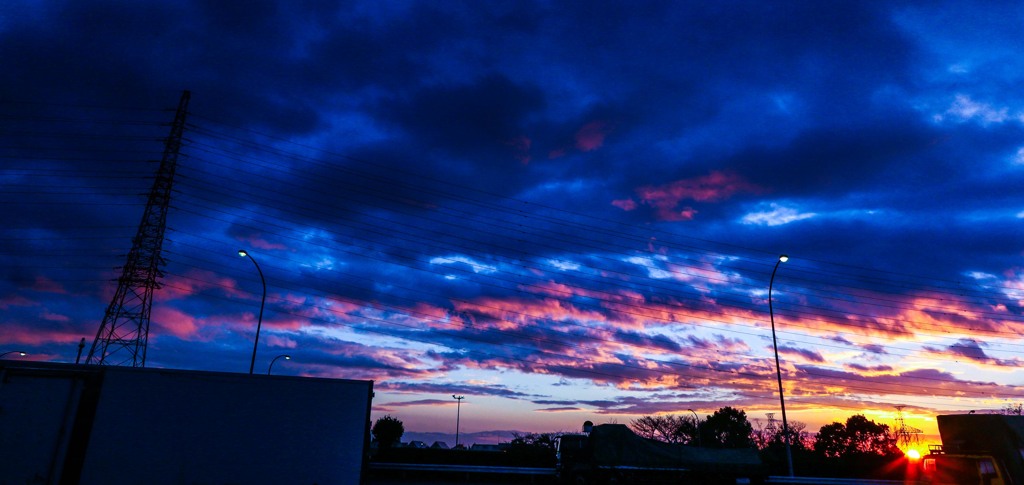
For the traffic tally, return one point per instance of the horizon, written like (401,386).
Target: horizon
(563,212)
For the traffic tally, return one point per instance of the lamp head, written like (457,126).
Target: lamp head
(287,357)
(783,258)
(242,253)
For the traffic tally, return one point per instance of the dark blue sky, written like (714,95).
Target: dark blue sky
(562,210)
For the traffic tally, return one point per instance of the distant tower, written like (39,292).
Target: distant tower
(124,333)
(772,424)
(906,436)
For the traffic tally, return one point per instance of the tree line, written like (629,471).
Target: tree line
(856,448)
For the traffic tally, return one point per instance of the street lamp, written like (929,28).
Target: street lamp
(259,322)
(778,370)
(696,425)
(285,356)
(458,412)
(21,353)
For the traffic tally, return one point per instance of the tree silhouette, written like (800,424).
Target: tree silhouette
(859,448)
(388,431)
(727,428)
(859,435)
(669,428)
(662,428)
(544,441)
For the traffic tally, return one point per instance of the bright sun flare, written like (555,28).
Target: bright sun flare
(913,454)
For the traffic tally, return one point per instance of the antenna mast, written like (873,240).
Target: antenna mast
(124,332)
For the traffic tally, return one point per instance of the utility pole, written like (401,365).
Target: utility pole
(124,333)
(458,411)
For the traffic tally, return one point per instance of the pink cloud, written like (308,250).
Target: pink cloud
(275,341)
(591,136)
(625,204)
(713,187)
(686,214)
(47,285)
(521,145)
(175,322)
(196,281)
(15,300)
(33,334)
(54,317)
(256,241)
(556,153)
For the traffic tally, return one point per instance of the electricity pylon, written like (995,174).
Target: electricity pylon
(124,332)
(906,436)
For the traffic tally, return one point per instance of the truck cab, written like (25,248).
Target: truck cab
(612,453)
(941,468)
(986,449)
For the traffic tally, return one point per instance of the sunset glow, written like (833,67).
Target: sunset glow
(563,212)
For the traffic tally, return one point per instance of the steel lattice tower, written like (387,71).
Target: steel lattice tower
(124,333)
(906,436)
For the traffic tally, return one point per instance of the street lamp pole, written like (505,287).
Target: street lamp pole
(21,353)
(696,425)
(81,345)
(458,412)
(285,356)
(778,370)
(259,322)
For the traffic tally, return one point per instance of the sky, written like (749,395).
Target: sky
(562,211)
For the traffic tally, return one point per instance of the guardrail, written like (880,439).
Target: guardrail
(515,470)
(507,470)
(835,481)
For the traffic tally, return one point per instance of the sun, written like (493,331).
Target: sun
(913,454)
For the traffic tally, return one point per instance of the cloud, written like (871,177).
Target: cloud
(469,119)
(46,285)
(775,215)
(591,136)
(871,368)
(625,204)
(714,187)
(473,265)
(964,108)
(972,351)
(809,355)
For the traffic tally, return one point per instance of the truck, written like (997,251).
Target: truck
(613,454)
(983,449)
(87,424)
